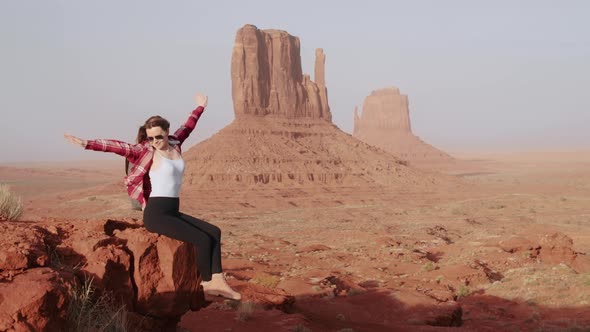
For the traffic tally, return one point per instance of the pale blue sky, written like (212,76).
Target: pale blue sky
(480,75)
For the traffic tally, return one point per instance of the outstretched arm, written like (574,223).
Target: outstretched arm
(129,151)
(185,130)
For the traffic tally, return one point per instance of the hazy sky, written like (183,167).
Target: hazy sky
(480,75)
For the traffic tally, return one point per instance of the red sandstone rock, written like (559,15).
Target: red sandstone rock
(557,248)
(22,247)
(164,272)
(267,78)
(313,248)
(104,259)
(35,300)
(266,297)
(152,275)
(385,122)
(516,244)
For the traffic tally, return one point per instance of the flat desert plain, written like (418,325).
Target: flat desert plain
(502,247)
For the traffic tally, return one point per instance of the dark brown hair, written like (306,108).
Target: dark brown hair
(153,121)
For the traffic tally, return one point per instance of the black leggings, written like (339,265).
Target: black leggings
(161,216)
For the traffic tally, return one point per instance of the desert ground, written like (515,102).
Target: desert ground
(501,246)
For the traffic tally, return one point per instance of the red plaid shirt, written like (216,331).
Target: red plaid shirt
(140,155)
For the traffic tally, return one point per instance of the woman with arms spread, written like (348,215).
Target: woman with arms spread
(154,181)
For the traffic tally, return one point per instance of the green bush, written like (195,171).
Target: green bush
(11,206)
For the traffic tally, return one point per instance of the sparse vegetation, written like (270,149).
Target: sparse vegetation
(428,267)
(245,311)
(300,328)
(56,261)
(11,206)
(458,211)
(88,311)
(356,291)
(463,291)
(266,280)
(497,206)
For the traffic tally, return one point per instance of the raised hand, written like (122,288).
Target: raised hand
(75,140)
(200,99)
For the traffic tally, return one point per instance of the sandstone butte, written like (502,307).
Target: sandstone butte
(282,134)
(385,123)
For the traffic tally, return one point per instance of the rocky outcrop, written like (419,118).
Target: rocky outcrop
(34,300)
(554,248)
(267,78)
(155,277)
(385,122)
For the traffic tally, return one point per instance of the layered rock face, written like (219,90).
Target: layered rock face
(283,134)
(385,122)
(267,78)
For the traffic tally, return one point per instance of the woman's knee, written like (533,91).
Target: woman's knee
(149,225)
(217,232)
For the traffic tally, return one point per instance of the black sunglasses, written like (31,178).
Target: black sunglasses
(158,137)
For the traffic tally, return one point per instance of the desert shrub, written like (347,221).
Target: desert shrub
(245,311)
(11,206)
(300,328)
(428,267)
(356,291)
(464,291)
(88,311)
(403,162)
(266,280)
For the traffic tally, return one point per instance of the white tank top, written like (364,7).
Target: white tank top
(167,178)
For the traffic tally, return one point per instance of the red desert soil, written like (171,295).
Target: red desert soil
(504,247)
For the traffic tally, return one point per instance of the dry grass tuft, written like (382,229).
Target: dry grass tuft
(11,206)
(266,280)
(89,312)
(245,311)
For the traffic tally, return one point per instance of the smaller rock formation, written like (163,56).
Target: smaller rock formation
(385,123)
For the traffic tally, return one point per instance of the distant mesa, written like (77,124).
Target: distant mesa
(385,123)
(282,134)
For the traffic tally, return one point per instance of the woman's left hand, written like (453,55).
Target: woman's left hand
(201,99)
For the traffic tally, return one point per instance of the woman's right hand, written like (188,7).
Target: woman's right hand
(75,140)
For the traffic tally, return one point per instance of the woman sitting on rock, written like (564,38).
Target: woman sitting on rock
(154,181)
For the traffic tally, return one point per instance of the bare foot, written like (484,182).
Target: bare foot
(218,287)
